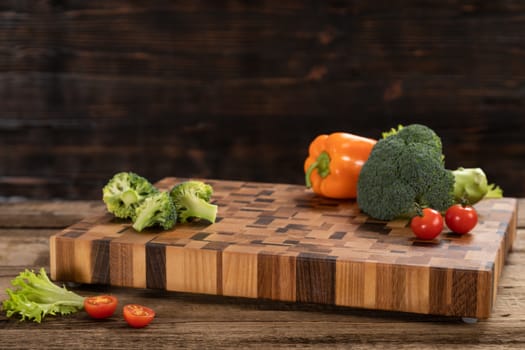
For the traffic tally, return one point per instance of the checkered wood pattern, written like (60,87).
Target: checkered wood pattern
(282,242)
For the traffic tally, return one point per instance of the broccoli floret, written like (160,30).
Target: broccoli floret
(192,201)
(417,133)
(124,192)
(156,210)
(404,173)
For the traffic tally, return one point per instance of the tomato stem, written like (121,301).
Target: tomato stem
(418,209)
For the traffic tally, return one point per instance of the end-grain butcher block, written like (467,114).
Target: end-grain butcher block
(282,242)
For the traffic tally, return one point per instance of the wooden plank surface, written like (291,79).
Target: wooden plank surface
(273,240)
(204,321)
(237,90)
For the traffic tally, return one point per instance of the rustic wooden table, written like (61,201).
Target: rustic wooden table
(200,321)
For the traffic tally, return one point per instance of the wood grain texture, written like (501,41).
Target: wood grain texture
(276,276)
(197,321)
(281,242)
(237,90)
(193,270)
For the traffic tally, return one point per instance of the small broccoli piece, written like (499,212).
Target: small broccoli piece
(192,201)
(156,210)
(124,192)
(404,173)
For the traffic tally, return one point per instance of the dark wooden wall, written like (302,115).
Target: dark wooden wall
(238,89)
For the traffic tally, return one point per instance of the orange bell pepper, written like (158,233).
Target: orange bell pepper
(334,163)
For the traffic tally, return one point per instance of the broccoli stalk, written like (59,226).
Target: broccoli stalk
(156,210)
(192,201)
(129,198)
(35,296)
(124,192)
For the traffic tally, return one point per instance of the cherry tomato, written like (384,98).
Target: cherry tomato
(138,316)
(461,219)
(427,226)
(100,306)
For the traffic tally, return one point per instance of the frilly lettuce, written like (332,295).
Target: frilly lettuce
(35,296)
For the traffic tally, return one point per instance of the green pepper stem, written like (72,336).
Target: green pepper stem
(322,164)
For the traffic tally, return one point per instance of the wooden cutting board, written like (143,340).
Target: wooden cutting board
(282,242)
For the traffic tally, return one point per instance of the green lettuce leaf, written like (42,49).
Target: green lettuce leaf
(34,296)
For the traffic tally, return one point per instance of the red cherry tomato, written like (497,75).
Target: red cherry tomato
(427,226)
(138,316)
(461,219)
(100,306)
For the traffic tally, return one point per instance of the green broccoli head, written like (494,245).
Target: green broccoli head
(124,192)
(192,201)
(417,134)
(405,172)
(156,210)
(421,134)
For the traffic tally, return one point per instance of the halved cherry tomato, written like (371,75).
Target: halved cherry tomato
(100,306)
(427,226)
(461,219)
(138,316)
